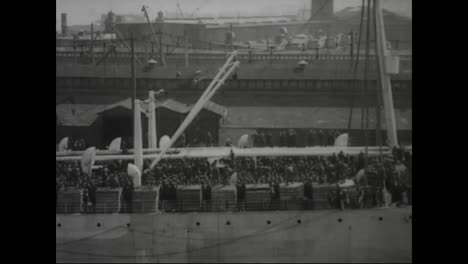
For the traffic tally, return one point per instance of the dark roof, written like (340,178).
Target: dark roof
(168,104)
(126,103)
(84,114)
(245,117)
(216,108)
(175,106)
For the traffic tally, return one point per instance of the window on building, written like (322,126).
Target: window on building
(116,84)
(293,84)
(302,84)
(276,84)
(92,84)
(68,83)
(109,83)
(337,86)
(399,86)
(170,84)
(234,84)
(227,83)
(76,83)
(404,85)
(100,84)
(204,83)
(125,84)
(251,84)
(157,84)
(242,84)
(142,84)
(341,85)
(320,85)
(348,86)
(60,83)
(180,83)
(260,84)
(152,84)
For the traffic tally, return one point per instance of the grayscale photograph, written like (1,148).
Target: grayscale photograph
(221,131)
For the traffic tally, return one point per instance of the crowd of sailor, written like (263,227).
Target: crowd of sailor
(392,172)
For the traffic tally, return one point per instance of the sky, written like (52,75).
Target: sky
(83,12)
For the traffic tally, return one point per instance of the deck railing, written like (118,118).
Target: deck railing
(172,206)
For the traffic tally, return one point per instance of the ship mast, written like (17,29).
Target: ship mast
(383,54)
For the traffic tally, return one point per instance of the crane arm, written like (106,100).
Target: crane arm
(225,71)
(159,45)
(179,8)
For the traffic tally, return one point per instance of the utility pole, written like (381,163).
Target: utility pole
(161,51)
(125,44)
(351,51)
(385,78)
(152,125)
(232,37)
(133,80)
(152,132)
(378,132)
(137,140)
(186,49)
(74,48)
(91,49)
(146,48)
(366,84)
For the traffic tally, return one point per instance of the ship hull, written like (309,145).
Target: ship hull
(371,235)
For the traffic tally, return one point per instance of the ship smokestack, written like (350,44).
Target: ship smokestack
(64,24)
(321,9)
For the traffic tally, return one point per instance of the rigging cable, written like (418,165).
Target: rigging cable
(379,98)
(355,81)
(365,106)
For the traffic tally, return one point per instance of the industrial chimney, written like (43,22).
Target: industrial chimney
(64,24)
(321,9)
(160,17)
